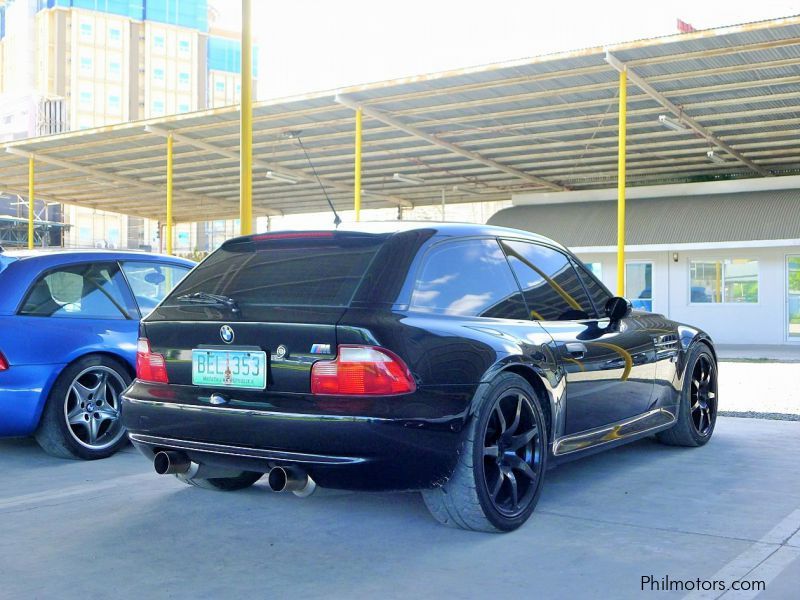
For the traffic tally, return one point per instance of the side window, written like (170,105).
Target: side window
(549,282)
(86,291)
(468,278)
(597,291)
(151,282)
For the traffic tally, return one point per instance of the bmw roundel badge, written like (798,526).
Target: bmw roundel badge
(226,333)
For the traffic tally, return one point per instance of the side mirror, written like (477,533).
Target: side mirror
(617,308)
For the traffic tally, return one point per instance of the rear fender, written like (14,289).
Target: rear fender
(689,338)
(544,375)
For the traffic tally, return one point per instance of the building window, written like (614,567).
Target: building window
(183,80)
(158,107)
(114,35)
(86,99)
(158,74)
(113,102)
(724,281)
(639,285)
(86,31)
(158,42)
(184,47)
(793,295)
(183,107)
(219,86)
(114,68)
(86,65)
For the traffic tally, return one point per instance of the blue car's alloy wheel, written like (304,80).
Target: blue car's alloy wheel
(82,416)
(91,407)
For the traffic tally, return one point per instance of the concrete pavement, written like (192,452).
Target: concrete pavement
(113,529)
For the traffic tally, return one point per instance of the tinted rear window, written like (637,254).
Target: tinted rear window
(285,271)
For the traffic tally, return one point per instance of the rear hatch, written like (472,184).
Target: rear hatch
(280,294)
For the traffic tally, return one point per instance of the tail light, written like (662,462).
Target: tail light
(362,371)
(3,362)
(150,366)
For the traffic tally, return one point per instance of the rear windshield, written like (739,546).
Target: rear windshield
(285,270)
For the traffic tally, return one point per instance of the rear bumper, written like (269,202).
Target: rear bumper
(23,391)
(343,451)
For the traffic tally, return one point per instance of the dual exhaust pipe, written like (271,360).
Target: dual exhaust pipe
(279,479)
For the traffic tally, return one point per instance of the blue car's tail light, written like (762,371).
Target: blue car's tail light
(3,362)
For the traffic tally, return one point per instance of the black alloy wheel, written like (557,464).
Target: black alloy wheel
(512,455)
(696,415)
(499,473)
(703,395)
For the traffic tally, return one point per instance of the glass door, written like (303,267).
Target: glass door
(793,297)
(639,284)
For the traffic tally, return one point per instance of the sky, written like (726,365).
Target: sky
(314,45)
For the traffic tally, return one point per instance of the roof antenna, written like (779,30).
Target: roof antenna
(296,135)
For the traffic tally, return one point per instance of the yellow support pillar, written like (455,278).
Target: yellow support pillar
(623,110)
(357,198)
(246,131)
(31,202)
(168,227)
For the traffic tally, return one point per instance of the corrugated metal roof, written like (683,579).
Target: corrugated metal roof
(767,215)
(548,121)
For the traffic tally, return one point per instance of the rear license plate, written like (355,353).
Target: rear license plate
(230,368)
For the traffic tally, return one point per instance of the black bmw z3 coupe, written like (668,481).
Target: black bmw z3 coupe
(458,360)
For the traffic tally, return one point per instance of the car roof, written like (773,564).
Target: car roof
(443,229)
(59,255)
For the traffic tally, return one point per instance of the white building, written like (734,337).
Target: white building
(722,255)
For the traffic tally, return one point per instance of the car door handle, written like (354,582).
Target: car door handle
(576,349)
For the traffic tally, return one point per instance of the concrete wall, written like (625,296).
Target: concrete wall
(764,322)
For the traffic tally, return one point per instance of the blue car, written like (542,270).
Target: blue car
(69,322)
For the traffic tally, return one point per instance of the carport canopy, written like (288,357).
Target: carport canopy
(546,124)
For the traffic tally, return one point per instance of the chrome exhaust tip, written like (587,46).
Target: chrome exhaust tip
(290,479)
(171,463)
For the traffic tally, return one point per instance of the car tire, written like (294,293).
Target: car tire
(224,484)
(697,411)
(483,492)
(81,418)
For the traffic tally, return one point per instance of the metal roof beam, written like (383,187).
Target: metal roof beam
(436,141)
(295,173)
(118,179)
(676,110)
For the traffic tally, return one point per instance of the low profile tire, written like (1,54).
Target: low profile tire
(697,412)
(224,484)
(81,419)
(500,470)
